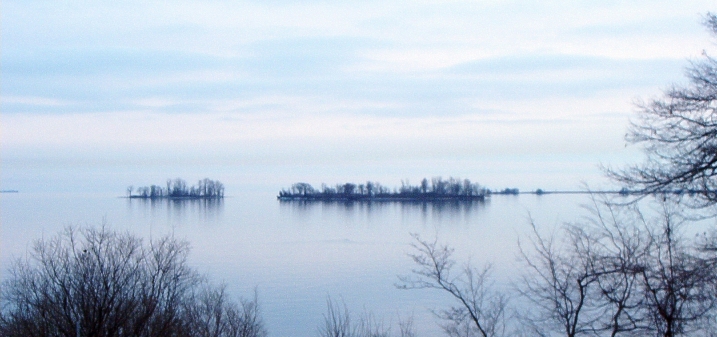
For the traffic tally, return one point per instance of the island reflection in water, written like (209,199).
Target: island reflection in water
(350,208)
(209,210)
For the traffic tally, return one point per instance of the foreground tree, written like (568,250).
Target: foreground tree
(677,280)
(560,284)
(621,274)
(339,322)
(98,282)
(675,277)
(480,310)
(679,135)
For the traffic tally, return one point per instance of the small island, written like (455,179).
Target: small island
(512,191)
(178,189)
(437,189)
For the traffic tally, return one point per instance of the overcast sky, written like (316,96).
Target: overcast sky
(509,93)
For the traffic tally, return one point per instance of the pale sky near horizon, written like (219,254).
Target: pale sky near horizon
(506,93)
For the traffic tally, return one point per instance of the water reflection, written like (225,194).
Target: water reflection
(448,207)
(349,208)
(208,210)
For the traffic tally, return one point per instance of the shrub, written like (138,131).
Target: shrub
(99,282)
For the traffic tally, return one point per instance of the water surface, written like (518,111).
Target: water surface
(296,254)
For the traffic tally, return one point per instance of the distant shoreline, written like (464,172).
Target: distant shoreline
(623,192)
(9,191)
(562,192)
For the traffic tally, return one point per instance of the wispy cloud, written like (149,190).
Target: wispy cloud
(282,81)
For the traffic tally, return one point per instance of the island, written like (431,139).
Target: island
(437,189)
(178,189)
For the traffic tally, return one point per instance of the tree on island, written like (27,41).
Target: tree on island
(439,189)
(177,188)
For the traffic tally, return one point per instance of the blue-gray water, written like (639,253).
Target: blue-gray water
(298,254)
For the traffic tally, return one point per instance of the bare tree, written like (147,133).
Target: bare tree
(424,185)
(338,323)
(677,282)
(219,189)
(620,273)
(210,312)
(619,247)
(652,277)
(98,282)
(480,310)
(679,135)
(406,328)
(560,284)
(302,188)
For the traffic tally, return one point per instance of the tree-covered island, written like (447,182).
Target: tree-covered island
(178,189)
(437,189)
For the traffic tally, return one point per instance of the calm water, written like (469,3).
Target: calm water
(298,254)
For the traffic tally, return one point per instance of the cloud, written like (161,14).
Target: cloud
(226,137)
(319,72)
(78,62)
(292,83)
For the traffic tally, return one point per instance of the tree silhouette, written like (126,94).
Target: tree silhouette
(679,135)
(98,282)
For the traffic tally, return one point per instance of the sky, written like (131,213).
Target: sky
(99,95)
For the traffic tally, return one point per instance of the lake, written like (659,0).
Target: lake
(298,254)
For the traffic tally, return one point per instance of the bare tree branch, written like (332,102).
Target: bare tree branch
(679,136)
(98,282)
(481,310)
